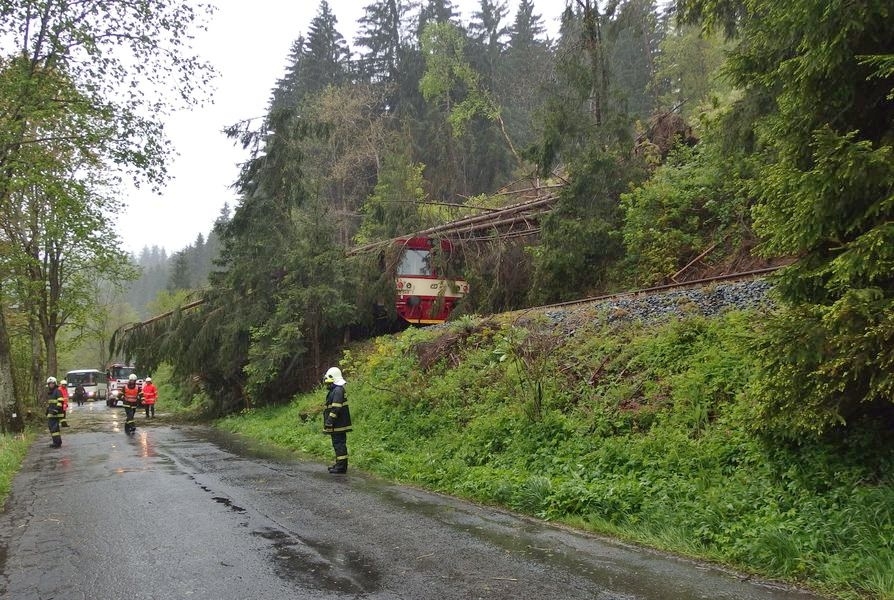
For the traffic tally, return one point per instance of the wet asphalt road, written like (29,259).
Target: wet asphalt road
(188,512)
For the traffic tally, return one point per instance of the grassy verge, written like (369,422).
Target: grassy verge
(641,432)
(13,448)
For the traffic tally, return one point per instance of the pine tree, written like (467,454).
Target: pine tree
(527,70)
(488,35)
(383,33)
(315,61)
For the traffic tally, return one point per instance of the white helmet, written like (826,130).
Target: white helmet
(333,375)
(132,377)
(148,380)
(51,380)
(63,382)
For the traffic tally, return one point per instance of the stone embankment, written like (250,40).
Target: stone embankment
(709,300)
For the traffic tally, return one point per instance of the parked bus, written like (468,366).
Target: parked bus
(94,381)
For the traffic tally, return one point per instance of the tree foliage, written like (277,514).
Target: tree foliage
(383,32)
(588,137)
(691,205)
(825,196)
(82,90)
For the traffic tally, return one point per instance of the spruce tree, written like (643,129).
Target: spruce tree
(315,61)
(383,33)
(287,91)
(326,53)
(180,278)
(589,139)
(527,70)
(436,11)
(820,121)
(488,35)
(634,36)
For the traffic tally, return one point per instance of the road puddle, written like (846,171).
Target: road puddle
(318,565)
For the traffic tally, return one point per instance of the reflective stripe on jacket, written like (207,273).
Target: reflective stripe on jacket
(336,416)
(54,404)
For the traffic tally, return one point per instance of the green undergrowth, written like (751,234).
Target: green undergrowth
(182,401)
(13,448)
(639,431)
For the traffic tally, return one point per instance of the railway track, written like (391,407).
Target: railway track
(751,275)
(695,283)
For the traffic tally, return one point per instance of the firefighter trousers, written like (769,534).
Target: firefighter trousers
(130,424)
(340,444)
(55,431)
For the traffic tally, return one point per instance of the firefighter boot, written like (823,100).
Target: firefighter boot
(340,466)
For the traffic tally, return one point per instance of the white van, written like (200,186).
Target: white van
(95,382)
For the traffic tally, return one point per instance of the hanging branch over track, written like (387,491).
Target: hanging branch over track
(164,315)
(523,212)
(501,222)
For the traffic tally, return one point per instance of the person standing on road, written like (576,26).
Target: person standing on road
(150,395)
(54,411)
(80,394)
(337,418)
(131,402)
(63,387)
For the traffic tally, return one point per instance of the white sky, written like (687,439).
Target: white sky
(248,43)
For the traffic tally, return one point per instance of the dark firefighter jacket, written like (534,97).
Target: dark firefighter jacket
(54,403)
(336,416)
(80,394)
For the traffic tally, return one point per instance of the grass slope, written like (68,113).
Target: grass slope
(642,431)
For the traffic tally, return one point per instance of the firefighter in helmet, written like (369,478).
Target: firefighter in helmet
(337,418)
(150,395)
(131,402)
(54,411)
(63,387)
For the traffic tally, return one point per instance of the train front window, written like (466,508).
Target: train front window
(415,262)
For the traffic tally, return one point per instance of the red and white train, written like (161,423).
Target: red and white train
(424,295)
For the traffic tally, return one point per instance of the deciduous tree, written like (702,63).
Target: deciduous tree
(81,92)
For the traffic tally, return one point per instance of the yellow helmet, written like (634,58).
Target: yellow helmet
(63,383)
